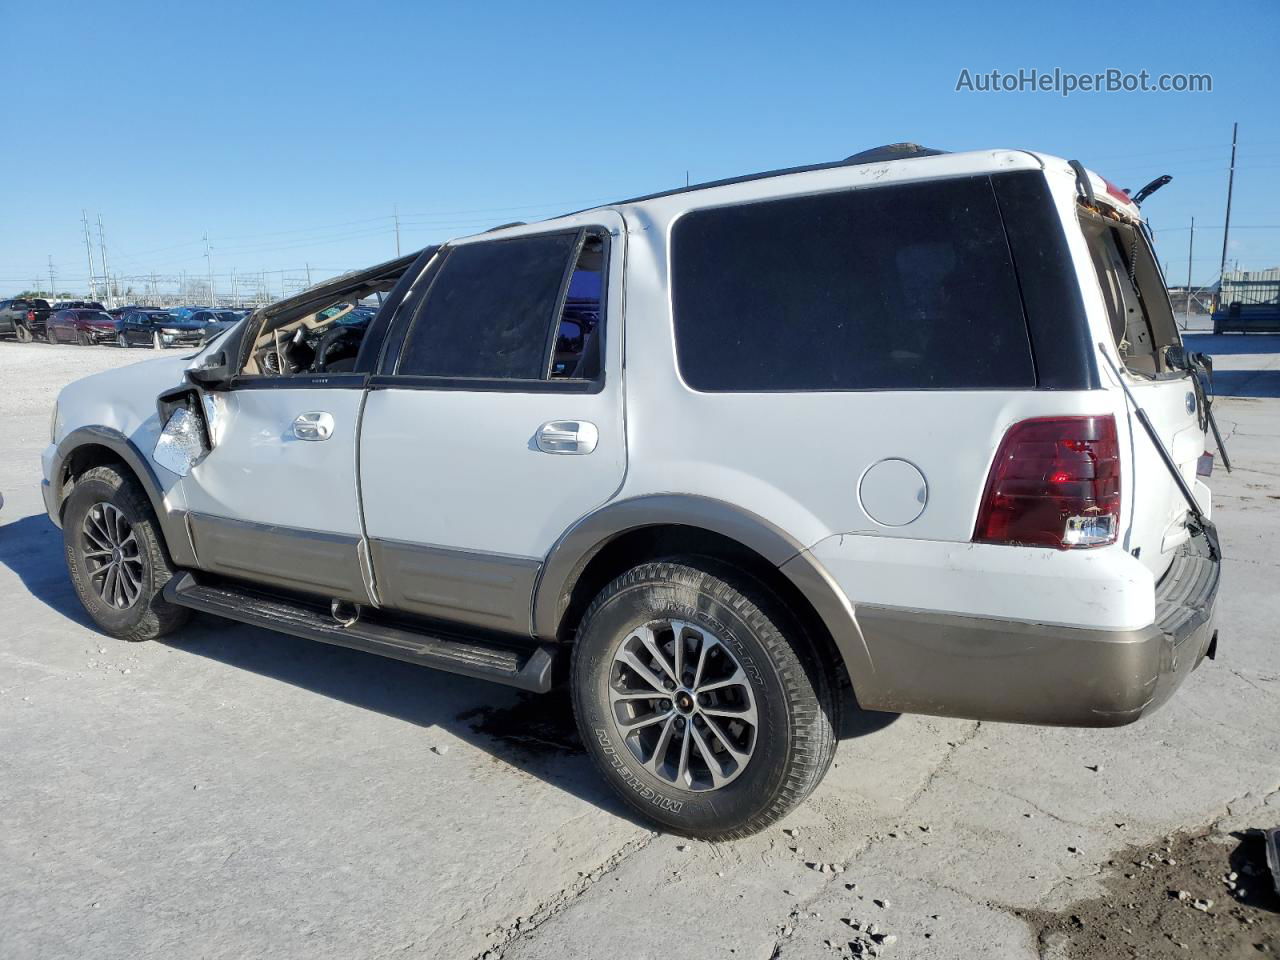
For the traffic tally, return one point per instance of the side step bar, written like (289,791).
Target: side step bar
(527,669)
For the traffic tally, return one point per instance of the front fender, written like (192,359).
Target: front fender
(172,520)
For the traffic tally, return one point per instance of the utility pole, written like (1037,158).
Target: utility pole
(396,214)
(88,249)
(309,273)
(1191,245)
(53,290)
(106,271)
(235,289)
(1226,227)
(208,256)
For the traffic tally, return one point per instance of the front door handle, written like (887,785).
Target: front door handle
(313,426)
(567,436)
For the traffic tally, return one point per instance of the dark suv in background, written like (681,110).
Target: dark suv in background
(23,318)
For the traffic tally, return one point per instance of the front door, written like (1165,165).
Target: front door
(274,501)
(496,419)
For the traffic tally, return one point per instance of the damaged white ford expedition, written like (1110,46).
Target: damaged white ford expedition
(913,430)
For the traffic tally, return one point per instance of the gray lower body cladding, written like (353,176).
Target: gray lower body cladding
(324,564)
(987,669)
(475,589)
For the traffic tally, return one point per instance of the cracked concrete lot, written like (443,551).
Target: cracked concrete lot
(235,793)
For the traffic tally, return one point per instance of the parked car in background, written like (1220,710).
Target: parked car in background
(23,318)
(76,305)
(140,327)
(215,322)
(1239,317)
(82,326)
(184,313)
(177,331)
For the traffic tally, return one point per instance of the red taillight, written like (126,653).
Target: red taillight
(31,316)
(1116,191)
(1055,482)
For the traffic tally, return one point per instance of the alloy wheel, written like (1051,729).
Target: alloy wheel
(112,556)
(683,704)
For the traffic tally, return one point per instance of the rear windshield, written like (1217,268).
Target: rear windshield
(904,287)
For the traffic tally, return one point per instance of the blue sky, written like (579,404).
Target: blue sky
(290,132)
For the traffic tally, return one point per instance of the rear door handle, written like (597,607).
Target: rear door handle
(313,426)
(567,436)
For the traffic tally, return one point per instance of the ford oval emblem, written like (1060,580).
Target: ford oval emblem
(1191,402)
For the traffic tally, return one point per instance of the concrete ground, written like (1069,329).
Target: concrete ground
(236,793)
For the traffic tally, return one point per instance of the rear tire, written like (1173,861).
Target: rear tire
(48,335)
(116,556)
(773,705)
(23,332)
(156,342)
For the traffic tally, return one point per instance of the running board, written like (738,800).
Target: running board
(527,669)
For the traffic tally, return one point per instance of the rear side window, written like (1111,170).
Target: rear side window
(905,287)
(488,312)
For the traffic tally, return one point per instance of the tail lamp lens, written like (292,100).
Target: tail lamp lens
(1055,482)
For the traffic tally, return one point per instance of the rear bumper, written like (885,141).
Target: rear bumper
(989,669)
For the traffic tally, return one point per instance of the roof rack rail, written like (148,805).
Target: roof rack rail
(881,154)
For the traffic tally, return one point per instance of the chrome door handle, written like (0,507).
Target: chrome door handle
(313,426)
(567,436)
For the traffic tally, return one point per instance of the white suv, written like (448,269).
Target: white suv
(914,426)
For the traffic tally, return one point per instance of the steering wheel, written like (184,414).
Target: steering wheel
(331,341)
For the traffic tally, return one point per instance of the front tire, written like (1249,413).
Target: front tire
(156,342)
(700,698)
(122,341)
(82,338)
(116,556)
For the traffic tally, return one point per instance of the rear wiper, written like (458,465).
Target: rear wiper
(1150,188)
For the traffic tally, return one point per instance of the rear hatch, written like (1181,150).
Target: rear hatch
(1143,328)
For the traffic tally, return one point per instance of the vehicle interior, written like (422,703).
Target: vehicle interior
(1142,320)
(321,330)
(322,334)
(579,339)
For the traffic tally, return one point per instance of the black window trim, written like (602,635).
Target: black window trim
(386,376)
(299,381)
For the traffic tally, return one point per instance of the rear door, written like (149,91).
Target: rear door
(1142,326)
(496,420)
